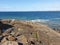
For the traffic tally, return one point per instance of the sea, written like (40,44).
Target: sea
(32,15)
(45,17)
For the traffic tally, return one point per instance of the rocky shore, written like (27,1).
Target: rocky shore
(17,32)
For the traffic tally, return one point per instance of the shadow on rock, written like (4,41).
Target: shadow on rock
(20,43)
(4,27)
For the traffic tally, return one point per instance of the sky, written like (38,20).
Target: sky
(29,5)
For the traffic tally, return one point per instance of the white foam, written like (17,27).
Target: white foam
(39,20)
(13,20)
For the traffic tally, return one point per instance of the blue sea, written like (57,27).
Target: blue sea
(32,15)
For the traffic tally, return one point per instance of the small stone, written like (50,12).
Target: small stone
(11,38)
(20,29)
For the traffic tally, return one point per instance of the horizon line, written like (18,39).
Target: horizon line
(29,11)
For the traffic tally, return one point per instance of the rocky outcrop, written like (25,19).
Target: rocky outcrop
(28,33)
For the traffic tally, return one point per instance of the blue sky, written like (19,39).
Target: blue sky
(29,5)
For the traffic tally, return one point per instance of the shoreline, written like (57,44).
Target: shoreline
(49,24)
(27,21)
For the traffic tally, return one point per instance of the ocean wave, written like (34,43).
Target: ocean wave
(40,20)
(55,19)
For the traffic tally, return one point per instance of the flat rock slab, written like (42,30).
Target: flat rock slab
(10,43)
